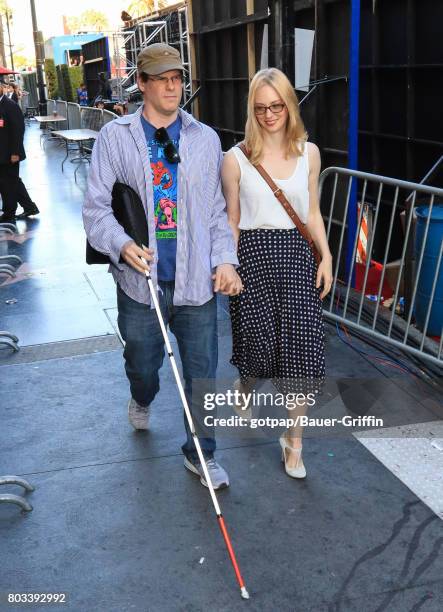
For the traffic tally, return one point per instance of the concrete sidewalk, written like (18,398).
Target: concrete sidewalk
(118,524)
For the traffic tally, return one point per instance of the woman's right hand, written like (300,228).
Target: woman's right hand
(325,276)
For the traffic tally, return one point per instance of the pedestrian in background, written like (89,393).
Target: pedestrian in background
(82,95)
(12,152)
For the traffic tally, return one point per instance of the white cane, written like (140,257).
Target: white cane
(243,591)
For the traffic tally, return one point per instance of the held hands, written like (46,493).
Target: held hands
(324,276)
(226,280)
(132,255)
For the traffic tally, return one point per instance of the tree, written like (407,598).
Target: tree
(94,20)
(88,20)
(4,7)
(139,8)
(5,16)
(73,24)
(51,78)
(21,62)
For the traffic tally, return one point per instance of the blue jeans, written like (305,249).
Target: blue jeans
(195,328)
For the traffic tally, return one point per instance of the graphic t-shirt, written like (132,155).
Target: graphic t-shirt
(164,181)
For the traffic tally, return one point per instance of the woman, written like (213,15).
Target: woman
(277,325)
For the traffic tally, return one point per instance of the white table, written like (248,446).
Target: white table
(78,136)
(49,118)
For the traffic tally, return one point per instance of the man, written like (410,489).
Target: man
(82,95)
(192,251)
(12,152)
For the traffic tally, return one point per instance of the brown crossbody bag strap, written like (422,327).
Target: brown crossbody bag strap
(278,193)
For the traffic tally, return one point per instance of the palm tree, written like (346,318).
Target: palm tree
(88,20)
(6,15)
(94,20)
(140,8)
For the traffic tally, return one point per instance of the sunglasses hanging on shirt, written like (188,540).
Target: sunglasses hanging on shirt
(171,153)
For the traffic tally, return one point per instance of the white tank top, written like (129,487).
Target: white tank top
(259,208)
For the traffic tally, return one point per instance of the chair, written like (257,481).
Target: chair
(90,119)
(30,113)
(47,128)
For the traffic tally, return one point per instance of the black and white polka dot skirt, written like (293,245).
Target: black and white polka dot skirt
(277,324)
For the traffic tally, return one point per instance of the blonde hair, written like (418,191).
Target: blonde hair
(295,129)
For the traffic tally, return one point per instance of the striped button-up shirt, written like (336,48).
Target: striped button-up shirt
(204,237)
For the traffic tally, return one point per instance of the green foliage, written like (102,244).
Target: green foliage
(94,19)
(140,8)
(5,8)
(76,77)
(29,80)
(51,79)
(64,83)
(67,80)
(60,83)
(90,20)
(67,86)
(21,62)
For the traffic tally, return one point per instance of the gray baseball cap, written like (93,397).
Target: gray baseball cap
(157,58)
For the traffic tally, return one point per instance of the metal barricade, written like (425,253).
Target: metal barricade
(108,116)
(392,206)
(73,115)
(61,108)
(50,106)
(91,118)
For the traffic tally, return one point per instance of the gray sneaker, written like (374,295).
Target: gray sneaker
(218,475)
(138,415)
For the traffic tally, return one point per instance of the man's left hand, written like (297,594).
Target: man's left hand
(226,280)
(15,159)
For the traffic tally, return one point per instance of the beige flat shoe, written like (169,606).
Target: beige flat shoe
(299,470)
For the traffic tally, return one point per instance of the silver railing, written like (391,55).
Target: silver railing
(73,110)
(50,106)
(61,107)
(346,195)
(91,118)
(109,116)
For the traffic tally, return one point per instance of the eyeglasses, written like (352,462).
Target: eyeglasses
(175,80)
(171,153)
(276,108)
